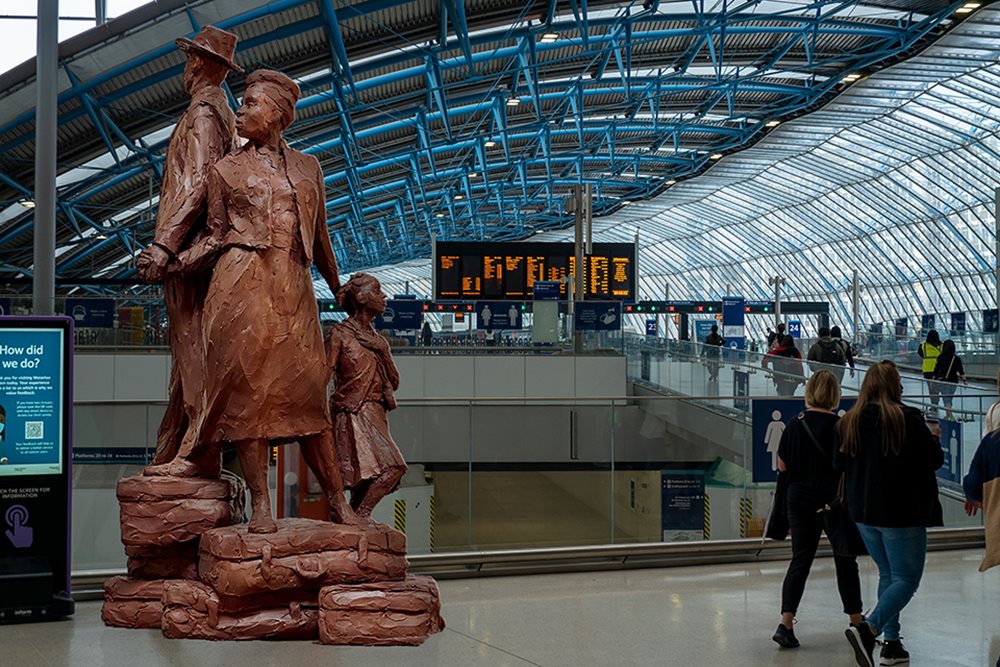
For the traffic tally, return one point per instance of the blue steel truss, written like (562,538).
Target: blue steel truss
(475,131)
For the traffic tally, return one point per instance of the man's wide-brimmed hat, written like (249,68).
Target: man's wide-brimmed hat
(214,43)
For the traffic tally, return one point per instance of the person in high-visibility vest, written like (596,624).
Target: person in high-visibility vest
(929,351)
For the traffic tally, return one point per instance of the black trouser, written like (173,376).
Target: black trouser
(806,525)
(933,388)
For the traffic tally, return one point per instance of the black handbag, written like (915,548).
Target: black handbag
(777,520)
(840,529)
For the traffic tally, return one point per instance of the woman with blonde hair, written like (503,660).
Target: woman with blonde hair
(889,456)
(805,457)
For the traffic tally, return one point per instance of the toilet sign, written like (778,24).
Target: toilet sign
(770,419)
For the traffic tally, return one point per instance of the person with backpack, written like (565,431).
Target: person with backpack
(712,352)
(947,371)
(929,351)
(848,351)
(826,351)
(806,456)
(786,362)
(774,338)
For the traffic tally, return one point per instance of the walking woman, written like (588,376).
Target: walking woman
(948,371)
(806,455)
(929,351)
(890,458)
(786,362)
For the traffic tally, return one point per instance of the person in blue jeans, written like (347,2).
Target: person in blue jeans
(889,457)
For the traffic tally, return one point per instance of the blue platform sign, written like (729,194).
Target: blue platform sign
(733,321)
(769,418)
(927,322)
(5,306)
(991,321)
(598,316)
(958,324)
(498,315)
(682,505)
(401,314)
(36,357)
(951,443)
(93,313)
(652,327)
(795,329)
(546,290)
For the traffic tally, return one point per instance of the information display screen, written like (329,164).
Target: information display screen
(31,401)
(507,271)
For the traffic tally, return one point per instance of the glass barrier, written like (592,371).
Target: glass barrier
(530,473)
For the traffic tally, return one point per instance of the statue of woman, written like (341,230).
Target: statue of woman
(265,374)
(365,378)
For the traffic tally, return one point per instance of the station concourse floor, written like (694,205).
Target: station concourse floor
(716,616)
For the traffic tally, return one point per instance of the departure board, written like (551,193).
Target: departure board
(507,271)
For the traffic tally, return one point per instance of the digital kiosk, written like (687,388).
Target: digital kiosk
(36,355)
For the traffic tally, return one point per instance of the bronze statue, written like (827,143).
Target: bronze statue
(265,372)
(204,134)
(366,379)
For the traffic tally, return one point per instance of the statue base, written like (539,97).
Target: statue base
(388,613)
(178,562)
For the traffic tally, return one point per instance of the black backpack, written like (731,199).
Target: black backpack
(832,354)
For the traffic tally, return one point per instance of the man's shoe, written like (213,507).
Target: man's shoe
(784,637)
(863,642)
(893,653)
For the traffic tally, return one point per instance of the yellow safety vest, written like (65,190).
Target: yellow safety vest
(931,354)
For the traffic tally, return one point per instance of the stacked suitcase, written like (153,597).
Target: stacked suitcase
(309,580)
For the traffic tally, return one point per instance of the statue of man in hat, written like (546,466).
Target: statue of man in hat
(266,372)
(204,134)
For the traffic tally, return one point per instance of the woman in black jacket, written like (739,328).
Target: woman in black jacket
(948,370)
(805,456)
(890,458)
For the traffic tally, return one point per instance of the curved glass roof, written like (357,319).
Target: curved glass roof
(894,178)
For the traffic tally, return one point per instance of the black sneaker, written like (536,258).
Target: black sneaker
(863,642)
(893,653)
(784,637)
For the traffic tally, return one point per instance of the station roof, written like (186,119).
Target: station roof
(474,120)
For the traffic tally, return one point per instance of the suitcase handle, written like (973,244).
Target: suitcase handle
(309,567)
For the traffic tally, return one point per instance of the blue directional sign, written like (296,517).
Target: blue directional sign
(598,315)
(401,314)
(795,328)
(547,290)
(733,321)
(958,324)
(652,327)
(682,505)
(927,322)
(95,313)
(951,443)
(498,315)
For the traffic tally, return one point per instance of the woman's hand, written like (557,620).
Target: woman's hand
(972,506)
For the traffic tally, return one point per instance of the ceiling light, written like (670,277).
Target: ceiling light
(458,197)
(626,202)
(472,174)
(854,76)
(549,37)
(27,203)
(439,215)
(513,101)
(489,143)
(715,156)
(102,236)
(773,123)
(671,181)
(967,8)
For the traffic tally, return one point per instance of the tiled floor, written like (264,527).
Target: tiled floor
(718,616)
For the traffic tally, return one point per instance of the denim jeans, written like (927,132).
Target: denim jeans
(899,554)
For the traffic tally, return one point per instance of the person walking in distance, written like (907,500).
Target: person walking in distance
(929,351)
(712,352)
(204,134)
(827,354)
(845,345)
(890,458)
(948,371)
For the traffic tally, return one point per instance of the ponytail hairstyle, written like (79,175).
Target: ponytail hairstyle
(882,387)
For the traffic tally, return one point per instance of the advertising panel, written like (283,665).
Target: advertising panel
(598,316)
(682,498)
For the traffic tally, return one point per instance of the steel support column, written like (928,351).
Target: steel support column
(45,158)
